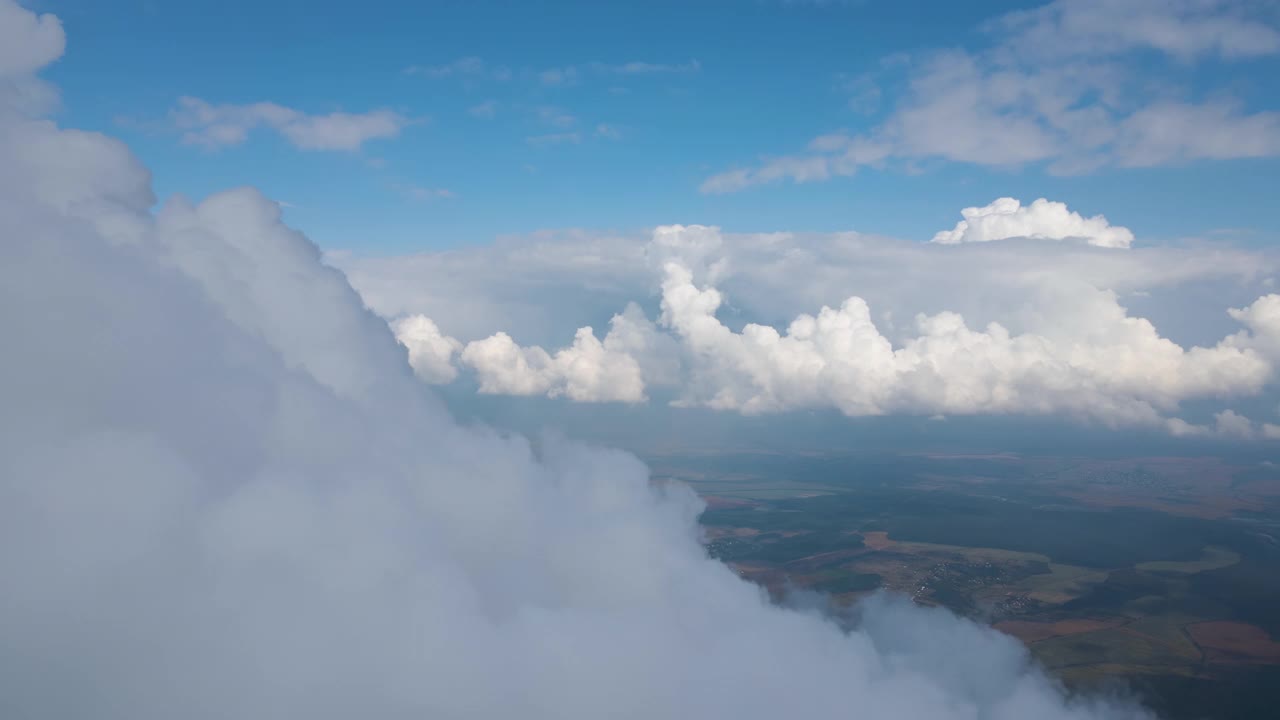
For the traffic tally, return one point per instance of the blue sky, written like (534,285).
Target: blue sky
(619,145)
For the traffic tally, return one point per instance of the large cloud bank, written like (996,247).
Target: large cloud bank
(1075,351)
(223,494)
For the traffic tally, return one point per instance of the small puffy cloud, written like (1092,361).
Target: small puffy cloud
(1232,424)
(1041,220)
(1226,424)
(216,126)
(1262,318)
(430,351)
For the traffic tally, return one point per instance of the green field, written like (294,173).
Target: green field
(1211,558)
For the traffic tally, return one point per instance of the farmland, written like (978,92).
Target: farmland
(1161,573)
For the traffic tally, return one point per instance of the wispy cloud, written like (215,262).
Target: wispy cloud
(558,76)
(572,74)
(419,193)
(646,68)
(486,109)
(466,67)
(556,117)
(1055,88)
(476,68)
(217,126)
(564,138)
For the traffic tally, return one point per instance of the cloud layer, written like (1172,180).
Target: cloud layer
(1069,347)
(223,494)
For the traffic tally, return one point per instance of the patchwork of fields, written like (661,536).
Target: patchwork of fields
(1163,574)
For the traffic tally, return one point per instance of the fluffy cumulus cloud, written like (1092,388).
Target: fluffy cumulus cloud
(223,494)
(1057,87)
(1041,220)
(1047,334)
(430,351)
(1110,366)
(589,370)
(215,126)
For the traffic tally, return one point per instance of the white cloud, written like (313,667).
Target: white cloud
(796,169)
(1041,220)
(1058,88)
(1226,424)
(1263,319)
(1233,424)
(545,285)
(216,126)
(549,283)
(430,351)
(1111,368)
(1185,29)
(587,371)
(1167,133)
